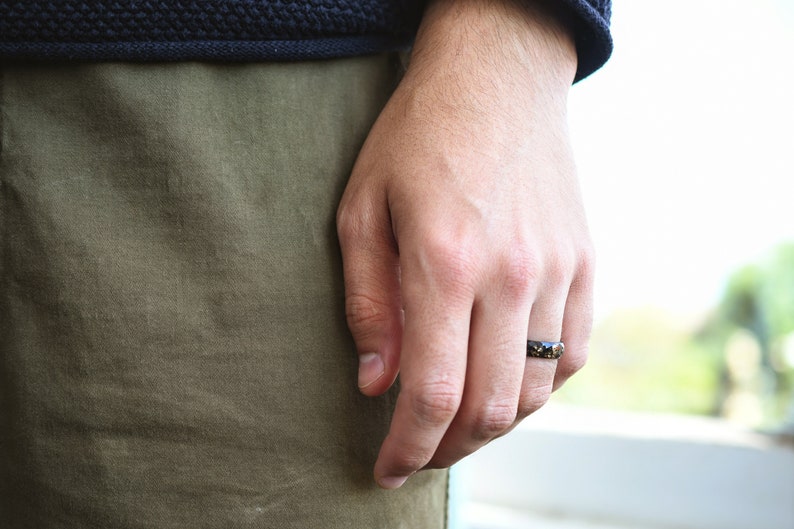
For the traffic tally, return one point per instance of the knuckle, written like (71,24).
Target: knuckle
(454,259)
(355,222)
(408,461)
(364,312)
(446,456)
(585,271)
(558,274)
(559,270)
(492,420)
(533,399)
(571,363)
(348,224)
(435,404)
(521,272)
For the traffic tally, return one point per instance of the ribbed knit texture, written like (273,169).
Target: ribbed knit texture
(238,30)
(591,30)
(228,30)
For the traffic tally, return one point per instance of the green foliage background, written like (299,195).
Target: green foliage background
(651,360)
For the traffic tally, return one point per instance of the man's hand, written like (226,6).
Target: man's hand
(463,234)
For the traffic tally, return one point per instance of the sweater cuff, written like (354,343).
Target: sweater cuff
(589,20)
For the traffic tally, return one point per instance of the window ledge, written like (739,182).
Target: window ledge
(631,470)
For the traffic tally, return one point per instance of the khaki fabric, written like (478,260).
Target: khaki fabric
(173,348)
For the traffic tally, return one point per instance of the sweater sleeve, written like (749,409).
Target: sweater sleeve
(590,24)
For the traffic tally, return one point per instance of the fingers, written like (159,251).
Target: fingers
(493,382)
(545,324)
(461,347)
(372,294)
(577,320)
(463,386)
(496,358)
(438,306)
(538,376)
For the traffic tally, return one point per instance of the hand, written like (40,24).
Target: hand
(463,234)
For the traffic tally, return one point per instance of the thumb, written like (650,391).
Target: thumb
(372,294)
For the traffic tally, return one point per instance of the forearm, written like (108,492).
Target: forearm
(476,43)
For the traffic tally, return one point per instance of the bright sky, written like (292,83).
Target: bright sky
(685,145)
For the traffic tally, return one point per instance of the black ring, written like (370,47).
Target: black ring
(550,350)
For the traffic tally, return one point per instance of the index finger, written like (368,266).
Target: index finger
(432,374)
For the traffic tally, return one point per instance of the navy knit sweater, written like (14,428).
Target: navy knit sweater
(239,30)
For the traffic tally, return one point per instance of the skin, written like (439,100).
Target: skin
(463,234)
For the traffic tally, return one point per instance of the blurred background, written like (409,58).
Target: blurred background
(685,143)
(685,147)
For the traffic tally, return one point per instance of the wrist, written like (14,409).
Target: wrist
(525,42)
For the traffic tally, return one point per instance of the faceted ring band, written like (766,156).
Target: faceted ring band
(550,350)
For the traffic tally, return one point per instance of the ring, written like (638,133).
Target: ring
(550,350)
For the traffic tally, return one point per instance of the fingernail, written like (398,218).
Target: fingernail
(370,369)
(392,482)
